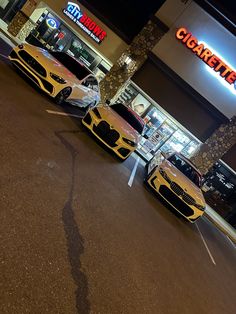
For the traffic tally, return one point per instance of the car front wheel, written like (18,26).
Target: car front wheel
(63,95)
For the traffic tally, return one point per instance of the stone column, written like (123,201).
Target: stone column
(132,58)
(20,26)
(216,146)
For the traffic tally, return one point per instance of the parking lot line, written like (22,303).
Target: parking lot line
(204,242)
(64,114)
(132,175)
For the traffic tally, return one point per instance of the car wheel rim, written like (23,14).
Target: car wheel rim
(61,97)
(66,93)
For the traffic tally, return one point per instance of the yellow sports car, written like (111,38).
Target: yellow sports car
(58,74)
(116,126)
(178,181)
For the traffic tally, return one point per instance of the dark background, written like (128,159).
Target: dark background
(127,17)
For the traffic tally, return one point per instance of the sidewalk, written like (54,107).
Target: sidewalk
(6,36)
(220,223)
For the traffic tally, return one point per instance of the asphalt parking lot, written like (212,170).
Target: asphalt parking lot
(79,231)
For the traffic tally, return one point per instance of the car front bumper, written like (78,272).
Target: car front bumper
(112,139)
(47,85)
(162,187)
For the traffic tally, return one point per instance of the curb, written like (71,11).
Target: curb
(221,224)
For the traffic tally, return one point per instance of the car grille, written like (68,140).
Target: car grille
(87,119)
(175,201)
(185,196)
(188,199)
(108,135)
(14,55)
(48,86)
(18,65)
(33,63)
(176,188)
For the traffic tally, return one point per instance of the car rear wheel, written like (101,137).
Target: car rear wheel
(63,95)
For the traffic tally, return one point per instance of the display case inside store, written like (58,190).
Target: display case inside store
(161,131)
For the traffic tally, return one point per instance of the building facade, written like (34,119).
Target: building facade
(179,77)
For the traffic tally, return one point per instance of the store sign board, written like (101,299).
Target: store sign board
(51,23)
(84,22)
(218,66)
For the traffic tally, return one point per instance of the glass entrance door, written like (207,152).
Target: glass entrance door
(150,144)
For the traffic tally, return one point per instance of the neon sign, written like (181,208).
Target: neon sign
(219,67)
(84,22)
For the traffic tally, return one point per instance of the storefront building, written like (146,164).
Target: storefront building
(70,27)
(174,82)
(186,90)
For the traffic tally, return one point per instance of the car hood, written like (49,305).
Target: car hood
(186,184)
(49,62)
(118,123)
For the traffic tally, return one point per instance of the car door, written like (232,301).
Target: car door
(86,92)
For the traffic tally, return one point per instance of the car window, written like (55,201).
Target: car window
(128,114)
(78,69)
(91,82)
(186,169)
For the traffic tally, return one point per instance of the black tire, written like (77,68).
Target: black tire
(63,95)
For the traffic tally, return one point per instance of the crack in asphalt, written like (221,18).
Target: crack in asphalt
(75,242)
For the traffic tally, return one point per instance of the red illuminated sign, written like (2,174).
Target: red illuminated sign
(206,55)
(80,18)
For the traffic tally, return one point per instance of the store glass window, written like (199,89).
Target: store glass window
(161,132)
(51,33)
(190,148)
(153,119)
(176,142)
(101,70)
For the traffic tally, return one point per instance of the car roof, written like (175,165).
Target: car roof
(82,64)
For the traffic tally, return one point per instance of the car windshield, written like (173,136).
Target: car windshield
(186,168)
(128,114)
(71,64)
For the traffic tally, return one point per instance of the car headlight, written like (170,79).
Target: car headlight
(164,175)
(201,207)
(97,113)
(57,78)
(131,143)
